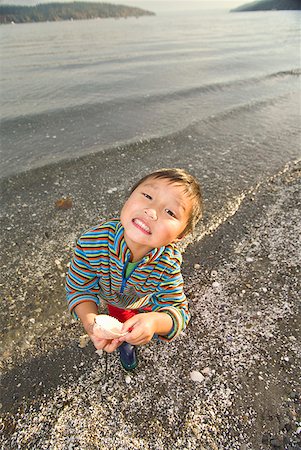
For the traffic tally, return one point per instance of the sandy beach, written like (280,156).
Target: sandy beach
(231,381)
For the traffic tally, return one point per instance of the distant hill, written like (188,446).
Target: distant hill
(269,5)
(67,11)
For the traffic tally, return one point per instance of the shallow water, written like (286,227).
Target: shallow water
(72,88)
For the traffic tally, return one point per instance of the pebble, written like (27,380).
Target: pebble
(294,395)
(58,264)
(216,284)
(276,443)
(83,341)
(249,259)
(265,438)
(197,376)
(285,424)
(197,266)
(64,203)
(128,379)
(207,371)
(110,191)
(96,379)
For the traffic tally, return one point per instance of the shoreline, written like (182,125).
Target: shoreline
(244,340)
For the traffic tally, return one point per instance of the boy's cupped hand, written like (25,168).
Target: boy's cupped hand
(108,345)
(140,329)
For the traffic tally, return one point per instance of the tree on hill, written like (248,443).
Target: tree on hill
(66,11)
(268,5)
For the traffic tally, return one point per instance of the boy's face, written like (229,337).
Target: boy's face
(155,215)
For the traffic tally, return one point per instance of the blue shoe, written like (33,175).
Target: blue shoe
(127,355)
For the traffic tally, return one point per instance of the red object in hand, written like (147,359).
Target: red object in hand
(122,314)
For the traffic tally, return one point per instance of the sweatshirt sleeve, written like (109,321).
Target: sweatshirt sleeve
(171,300)
(82,282)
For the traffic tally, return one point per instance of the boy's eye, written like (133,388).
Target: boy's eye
(146,195)
(171,213)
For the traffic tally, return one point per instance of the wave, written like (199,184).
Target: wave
(285,73)
(167,97)
(216,126)
(248,107)
(218,87)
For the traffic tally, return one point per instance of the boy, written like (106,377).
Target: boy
(133,264)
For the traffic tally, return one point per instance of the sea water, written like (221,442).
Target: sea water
(76,87)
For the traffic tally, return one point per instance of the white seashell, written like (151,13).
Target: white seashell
(207,371)
(197,376)
(128,379)
(107,327)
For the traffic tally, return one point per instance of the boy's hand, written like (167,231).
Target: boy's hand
(142,327)
(108,345)
(87,312)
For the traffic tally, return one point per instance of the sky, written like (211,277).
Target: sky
(148,4)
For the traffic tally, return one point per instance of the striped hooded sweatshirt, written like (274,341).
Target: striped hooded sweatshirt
(97,272)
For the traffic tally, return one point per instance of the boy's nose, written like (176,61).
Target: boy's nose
(151,213)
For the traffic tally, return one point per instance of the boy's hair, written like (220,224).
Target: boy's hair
(192,189)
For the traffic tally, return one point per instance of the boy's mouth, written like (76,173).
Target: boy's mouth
(142,226)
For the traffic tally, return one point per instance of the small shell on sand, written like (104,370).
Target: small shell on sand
(83,341)
(197,376)
(107,327)
(128,379)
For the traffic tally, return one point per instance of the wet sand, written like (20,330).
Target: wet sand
(242,280)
